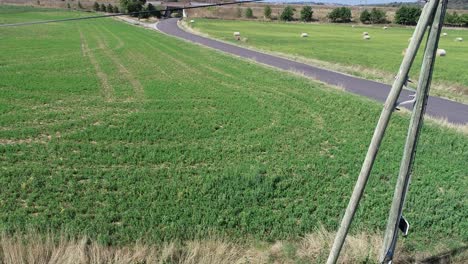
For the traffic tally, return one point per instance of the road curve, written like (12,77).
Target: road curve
(453,112)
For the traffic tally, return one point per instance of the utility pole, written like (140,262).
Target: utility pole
(422,93)
(432,14)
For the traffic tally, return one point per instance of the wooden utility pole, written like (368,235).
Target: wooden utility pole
(427,16)
(422,93)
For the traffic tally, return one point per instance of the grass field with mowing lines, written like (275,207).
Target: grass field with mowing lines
(379,57)
(123,133)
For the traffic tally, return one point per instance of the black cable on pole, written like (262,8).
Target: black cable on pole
(123,14)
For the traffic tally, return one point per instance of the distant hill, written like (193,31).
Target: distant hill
(452,4)
(458,4)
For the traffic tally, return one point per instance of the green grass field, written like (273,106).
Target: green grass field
(126,134)
(343,45)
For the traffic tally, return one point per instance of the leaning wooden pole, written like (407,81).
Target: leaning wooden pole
(425,18)
(425,77)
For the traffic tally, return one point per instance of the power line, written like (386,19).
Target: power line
(123,14)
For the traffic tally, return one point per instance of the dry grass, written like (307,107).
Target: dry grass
(313,248)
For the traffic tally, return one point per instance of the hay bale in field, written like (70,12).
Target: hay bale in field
(236,34)
(459,39)
(192,21)
(365,33)
(304,35)
(366,37)
(385,27)
(444,34)
(441,52)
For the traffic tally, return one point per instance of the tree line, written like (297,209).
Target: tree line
(136,8)
(405,15)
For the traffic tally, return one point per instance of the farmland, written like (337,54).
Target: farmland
(124,134)
(341,47)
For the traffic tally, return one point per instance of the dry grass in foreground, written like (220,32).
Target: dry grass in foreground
(313,248)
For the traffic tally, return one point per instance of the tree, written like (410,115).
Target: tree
(365,17)
(267,12)
(68,5)
(116,9)
(340,14)
(79,5)
(96,7)
(287,14)
(249,12)
(110,8)
(103,8)
(306,14)
(378,16)
(154,11)
(132,6)
(146,13)
(239,12)
(454,19)
(407,15)
(465,20)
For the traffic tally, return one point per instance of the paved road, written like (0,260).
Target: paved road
(454,112)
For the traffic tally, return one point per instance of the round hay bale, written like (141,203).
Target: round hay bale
(192,21)
(444,34)
(459,39)
(366,37)
(385,27)
(441,52)
(236,34)
(304,35)
(365,33)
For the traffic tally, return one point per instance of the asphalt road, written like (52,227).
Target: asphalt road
(453,112)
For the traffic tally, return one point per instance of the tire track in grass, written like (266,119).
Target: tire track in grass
(107,89)
(136,85)
(120,43)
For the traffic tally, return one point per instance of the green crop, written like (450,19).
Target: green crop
(379,57)
(123,133)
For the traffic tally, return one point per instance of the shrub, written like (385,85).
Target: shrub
(378,16)
(287,14)
(96,7)
(103,8)
(267,12)
(340,14)
(306,13)
(249,13)
(455,19)
(116,9)
(110,8)
(365,16)
(407,15)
